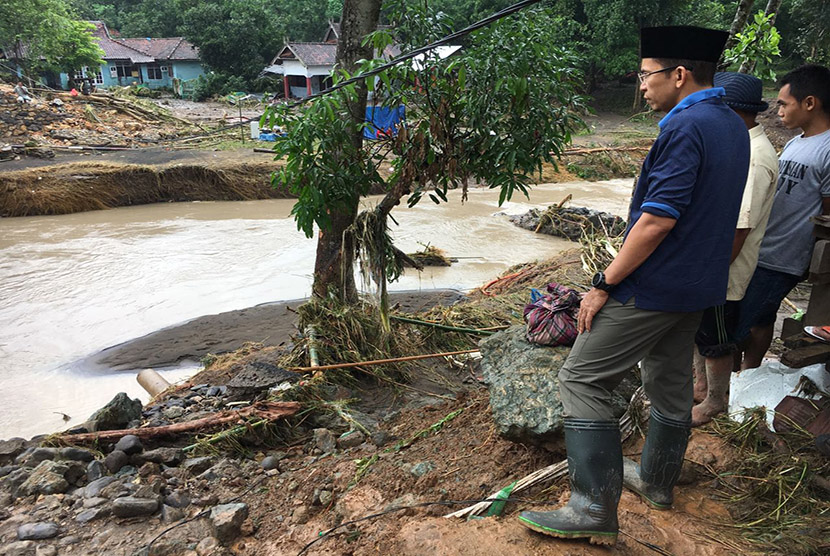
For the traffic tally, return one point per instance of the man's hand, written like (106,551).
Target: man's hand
(590,306)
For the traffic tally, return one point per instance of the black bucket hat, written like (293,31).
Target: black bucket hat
(743,91)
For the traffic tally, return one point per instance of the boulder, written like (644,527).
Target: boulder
(47,478)
(524,387)
(76,454)
(129,444)
(37,531)
(115,460)
(325,440)
(130,506)
(167,456)
(116,414)
(226,521)
(11,448)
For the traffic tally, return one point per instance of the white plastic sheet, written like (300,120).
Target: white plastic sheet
(767,385)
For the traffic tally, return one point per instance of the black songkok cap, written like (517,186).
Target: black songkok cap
(682,43)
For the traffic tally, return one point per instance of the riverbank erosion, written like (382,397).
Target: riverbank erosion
(83,186)
(270,450)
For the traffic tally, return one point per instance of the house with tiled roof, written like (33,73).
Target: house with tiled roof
(152,62)
(305,67)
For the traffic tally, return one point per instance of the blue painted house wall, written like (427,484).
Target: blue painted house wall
(187,70)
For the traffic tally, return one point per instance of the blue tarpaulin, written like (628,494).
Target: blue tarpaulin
(383,121)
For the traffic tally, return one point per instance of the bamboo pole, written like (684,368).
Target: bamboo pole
(380,361)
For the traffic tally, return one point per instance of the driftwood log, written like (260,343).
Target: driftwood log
(263,410)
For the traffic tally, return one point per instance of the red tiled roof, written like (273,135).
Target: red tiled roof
(143,50)
(115,49)
(311,53)
(174,48)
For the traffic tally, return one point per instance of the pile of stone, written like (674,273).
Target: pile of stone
(20,120)
(65,489)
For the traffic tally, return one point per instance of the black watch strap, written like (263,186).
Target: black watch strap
(598,281)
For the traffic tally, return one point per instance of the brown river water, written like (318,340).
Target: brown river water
(73,285)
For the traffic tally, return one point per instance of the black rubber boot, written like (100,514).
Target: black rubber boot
(595,470)
(661,461)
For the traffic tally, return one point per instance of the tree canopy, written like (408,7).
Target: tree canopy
(46,35)
(239,37)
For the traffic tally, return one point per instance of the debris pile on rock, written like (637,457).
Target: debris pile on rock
(570,222)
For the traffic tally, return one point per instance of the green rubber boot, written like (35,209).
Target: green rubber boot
(595,470)
(661,461)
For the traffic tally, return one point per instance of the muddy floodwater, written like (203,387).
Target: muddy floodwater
(73,285)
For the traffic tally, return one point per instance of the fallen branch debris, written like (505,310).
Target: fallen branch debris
(271,411)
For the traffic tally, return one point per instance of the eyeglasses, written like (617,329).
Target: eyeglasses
(643,75)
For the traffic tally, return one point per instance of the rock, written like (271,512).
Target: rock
(422,468)
(257,376)
(94,502)
(177,499)
(11,448)
(47,478)
(33,457)
(95,470)
(129,444)
(524,387)
(169,514)
(115,460)
(324,440)
(148,469)
(37,531)
(197,465)
(173,412)
(46,550)
(93,489)
(69,540)
(21,548)
(207,546)
(167,456)
(226,521)
(350,439)
(129,506)
(13,480)
(270,462)
(6,469)
(205,501)
(76,454)
(92,514)
(325,497)
(382,438)
(116,414)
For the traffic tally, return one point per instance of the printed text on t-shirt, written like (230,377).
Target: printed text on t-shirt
(790,173)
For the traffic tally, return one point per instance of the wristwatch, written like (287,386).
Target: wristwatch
(598,282)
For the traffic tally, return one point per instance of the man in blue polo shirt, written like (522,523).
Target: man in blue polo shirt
(647,305)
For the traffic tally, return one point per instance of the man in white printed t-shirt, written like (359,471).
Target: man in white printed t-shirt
(803,191)
(715,338)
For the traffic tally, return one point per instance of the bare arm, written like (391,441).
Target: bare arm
(738,242)
(642,240)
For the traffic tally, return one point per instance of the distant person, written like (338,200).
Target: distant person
(647,304)
(803,191)
(22,93)
(86,86)
(715,338)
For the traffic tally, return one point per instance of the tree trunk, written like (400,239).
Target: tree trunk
(738,24)
(334,266)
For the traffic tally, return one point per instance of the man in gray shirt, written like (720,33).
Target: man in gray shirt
(803,191)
